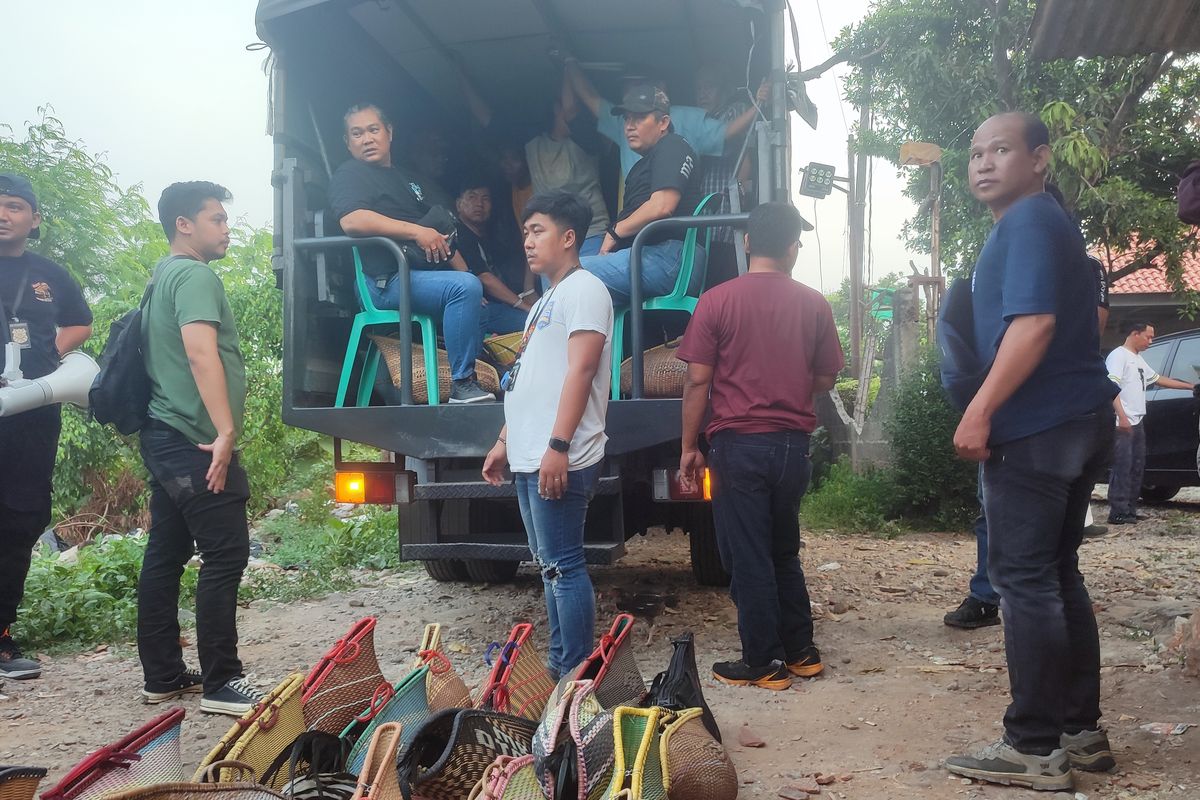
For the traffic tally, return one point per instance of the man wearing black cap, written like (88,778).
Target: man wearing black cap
(45,315)
(663,183)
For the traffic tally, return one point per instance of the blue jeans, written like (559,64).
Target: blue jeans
(1036,492)
(1129,463)
(457,297)
(591,245)
(555,530)
(660,268)
(758,482)
(981,588)
(500,317)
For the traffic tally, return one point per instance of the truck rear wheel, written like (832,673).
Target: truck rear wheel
(702,541)
(1158,494)
(446,569)
(486,571)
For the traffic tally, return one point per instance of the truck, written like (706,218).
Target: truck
(407,54)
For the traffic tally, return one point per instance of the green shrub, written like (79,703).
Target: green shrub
(365,541)
(930,482)
(848,501)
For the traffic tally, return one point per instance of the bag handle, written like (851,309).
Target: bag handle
(212,772)
(383,693)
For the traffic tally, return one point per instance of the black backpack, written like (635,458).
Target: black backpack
(120,394)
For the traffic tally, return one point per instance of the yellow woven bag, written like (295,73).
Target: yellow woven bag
(262,733)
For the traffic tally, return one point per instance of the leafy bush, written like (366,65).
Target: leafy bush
(930,482)
(366,541)
(849,501)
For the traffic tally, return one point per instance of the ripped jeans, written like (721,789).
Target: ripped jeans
(555,530)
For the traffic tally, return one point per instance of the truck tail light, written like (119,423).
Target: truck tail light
(365,487)
(668,488)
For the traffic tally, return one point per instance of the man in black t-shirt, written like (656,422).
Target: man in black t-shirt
(663,183)
(494,258)
(372,197)
(46,315)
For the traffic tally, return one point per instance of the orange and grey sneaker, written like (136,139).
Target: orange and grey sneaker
(774,676)
(807,664)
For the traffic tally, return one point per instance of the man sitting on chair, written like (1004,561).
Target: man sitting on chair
(663,183)
(372,197)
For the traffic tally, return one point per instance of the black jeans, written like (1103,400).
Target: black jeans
(186,517)
(1129,462)
(1036,493)
(758,480)
(19,532)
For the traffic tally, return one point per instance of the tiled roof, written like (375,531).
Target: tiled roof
(1153,280)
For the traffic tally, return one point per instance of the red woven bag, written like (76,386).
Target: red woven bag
(346,684)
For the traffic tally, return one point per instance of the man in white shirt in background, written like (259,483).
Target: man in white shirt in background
(1130,371)
(556,399)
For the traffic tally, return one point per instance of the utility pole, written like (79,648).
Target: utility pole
(858,238)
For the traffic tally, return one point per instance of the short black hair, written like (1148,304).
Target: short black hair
(358,108)
(565,208)
(469,181)
(1134,327)
(185,199)
(773,228)
(1036,132)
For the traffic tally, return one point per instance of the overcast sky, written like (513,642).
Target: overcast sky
(115,72)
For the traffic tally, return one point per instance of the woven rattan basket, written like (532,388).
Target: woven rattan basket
(389,348)
(20,783)
(664,374)
(503,347)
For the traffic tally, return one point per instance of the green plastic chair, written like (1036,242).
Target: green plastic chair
(369,317)
(677,300)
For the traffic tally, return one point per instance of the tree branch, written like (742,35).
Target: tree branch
(1001,65)
(837,58)
(1150,71)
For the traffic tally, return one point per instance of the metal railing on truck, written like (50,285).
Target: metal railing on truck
(671,224)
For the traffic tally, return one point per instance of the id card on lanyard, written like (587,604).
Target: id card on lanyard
(17,329)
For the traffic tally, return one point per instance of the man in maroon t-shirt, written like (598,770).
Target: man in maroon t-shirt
(762,344)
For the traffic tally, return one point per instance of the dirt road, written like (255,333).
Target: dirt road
(901,691)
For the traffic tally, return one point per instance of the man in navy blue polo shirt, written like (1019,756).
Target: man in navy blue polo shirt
(1042,424)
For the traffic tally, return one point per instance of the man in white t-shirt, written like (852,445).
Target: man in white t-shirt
(554,409)
(1130,371)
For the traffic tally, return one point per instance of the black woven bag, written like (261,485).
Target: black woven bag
(450,752)
(678,686)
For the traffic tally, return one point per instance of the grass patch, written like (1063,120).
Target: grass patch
(848,501)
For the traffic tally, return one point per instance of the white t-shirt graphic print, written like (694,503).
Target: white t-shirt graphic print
(579,303)
(1131,372)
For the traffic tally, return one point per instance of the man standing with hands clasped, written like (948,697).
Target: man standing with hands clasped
(763,345)
(1042,424)
(556,399)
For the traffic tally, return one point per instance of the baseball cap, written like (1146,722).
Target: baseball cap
(642,98)
(19,186)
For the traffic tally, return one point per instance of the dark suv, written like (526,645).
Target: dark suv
(1172,418)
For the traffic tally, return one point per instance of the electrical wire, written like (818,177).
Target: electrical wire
(829,45)
(820,254)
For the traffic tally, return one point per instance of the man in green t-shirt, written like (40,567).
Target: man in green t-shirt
(198,490)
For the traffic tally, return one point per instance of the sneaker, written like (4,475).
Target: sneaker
(1093,531)
(1000,763)
(186,682)
(808,664)
(1089,750)
(973,613)
(774,676)
(235,698)
(14,664)
(1120,519)
(468,390)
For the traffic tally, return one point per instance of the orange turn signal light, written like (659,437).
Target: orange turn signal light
(350,487)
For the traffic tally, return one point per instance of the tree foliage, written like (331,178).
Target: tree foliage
(1122,129)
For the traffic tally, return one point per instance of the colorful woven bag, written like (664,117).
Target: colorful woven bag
(210,789)
(378,781)
(346,684)
(508,778)
(519,683)
(573,746)
(147,756)
(262,734)
(20,783)
(664,755)
(448,755)
(433,686)
(611,667)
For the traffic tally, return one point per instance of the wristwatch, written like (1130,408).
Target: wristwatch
(559,445)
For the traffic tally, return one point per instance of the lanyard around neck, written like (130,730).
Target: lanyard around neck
(537,312)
